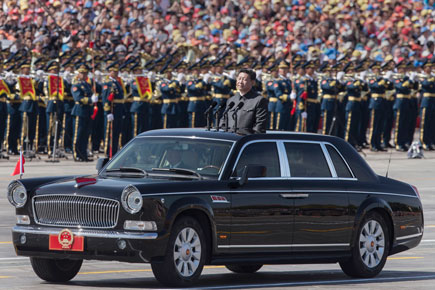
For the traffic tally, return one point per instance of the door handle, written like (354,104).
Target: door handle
(294,195)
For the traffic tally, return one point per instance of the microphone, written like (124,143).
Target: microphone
(216,115)
(210,108)
(225,114)
(239,106)
(208,114)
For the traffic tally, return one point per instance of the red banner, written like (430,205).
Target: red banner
(4,88)
(55,84)
(26,88)
(143,87)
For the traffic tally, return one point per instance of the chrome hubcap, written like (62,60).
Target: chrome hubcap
(372,244)
(187,252)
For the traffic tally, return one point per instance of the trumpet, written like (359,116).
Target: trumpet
(421,76)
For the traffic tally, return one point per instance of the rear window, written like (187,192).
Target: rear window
(306,160)
(339,164)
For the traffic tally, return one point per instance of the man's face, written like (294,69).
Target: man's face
(244,82)
(113,73)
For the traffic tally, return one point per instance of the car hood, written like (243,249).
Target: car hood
(111,187)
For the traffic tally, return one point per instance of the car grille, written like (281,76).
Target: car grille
(75,211)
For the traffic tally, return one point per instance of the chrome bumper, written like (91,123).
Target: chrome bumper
(36,230)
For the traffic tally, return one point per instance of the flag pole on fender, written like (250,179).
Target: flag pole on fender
(19,167)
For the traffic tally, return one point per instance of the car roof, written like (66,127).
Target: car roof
(213,134)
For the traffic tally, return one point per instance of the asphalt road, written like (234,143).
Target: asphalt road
(414,269)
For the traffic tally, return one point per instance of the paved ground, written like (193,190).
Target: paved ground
(414,269)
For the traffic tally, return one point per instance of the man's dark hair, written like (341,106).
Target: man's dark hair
(252,75)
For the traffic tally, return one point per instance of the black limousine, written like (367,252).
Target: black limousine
(184,198)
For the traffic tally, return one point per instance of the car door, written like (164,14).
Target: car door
(261,217)
(321,220)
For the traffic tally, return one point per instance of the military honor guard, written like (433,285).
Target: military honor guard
(427,107)
(308,102)
(26,88)
(68,104)
(170,91)
(390,97)
(222,86)
(283,93)
(114,110)
(54,90)
(141,91)
(5,93)
(378,86)
(270,95)
(83,96)
(197,93)
(330,88)
(126,132)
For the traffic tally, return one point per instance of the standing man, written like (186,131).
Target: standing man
(81,112)
(250,108)
(170,91)
(427,107)
(283,92)
(113,100)
(140,110)
(5,93)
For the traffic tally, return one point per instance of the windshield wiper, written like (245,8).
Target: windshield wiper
(128,170)
(179,171)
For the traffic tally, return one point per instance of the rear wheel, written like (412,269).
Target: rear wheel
(244,269)
(370,248)
(185,255)
(55,270)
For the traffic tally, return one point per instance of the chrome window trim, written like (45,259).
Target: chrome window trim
(342,158)
(259,141)
(329,161)
(200,138)
(36,220)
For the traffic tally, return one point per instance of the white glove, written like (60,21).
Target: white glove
(412,76)
(181,78)
(388,74)
(152,76)
(110,117)
(39,73)
(233,74)
(206,77)
(340,76)
(363,75)
(94,98)
(293,95)
(258,73)
(304,115)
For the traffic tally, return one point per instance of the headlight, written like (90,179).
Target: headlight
(17,194)
(131,199)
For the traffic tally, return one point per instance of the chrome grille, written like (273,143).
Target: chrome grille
(75,211)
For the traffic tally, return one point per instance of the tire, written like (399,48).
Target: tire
(185,255)
(244,269)
(370,249)
(55,270)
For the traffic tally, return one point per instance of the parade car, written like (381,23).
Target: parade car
(180,199)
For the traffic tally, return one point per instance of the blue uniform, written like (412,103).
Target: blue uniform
(284,104)
(365,113)
(14,120)
(139,110)
(270,94)
(81,112)
(221,91)
(330,89)
(29,112)
(155,119)
(427,113)
(170,90)
(402,111)
(307,93)
(377,106)
(196,92)
(4,95)
(388,114)
(113,103)
(353,112)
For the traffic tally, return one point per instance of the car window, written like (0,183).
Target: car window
(260,153)
(339,164)
(306,160)
(204,156)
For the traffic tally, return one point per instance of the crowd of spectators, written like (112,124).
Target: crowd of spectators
(316,28)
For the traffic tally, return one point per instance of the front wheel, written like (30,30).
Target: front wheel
(370,248)
(55,270)
(185,255)
(244,269)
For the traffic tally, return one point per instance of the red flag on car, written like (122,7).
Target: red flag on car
(19,168)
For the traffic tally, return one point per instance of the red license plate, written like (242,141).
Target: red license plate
(65,241)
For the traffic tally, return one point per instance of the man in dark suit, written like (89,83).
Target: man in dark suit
(249,107)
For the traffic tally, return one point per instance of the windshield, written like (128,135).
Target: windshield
(203,156)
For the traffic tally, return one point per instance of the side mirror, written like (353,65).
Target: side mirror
(250,170)
(100,163)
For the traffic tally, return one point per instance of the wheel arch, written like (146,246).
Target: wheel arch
(199,210)
(380,206)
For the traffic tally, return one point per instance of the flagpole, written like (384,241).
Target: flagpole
(21,162)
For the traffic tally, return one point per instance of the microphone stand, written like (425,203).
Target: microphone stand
(216,117)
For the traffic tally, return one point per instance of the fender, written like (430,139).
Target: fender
(187,203)
(31,184)
(367,205)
